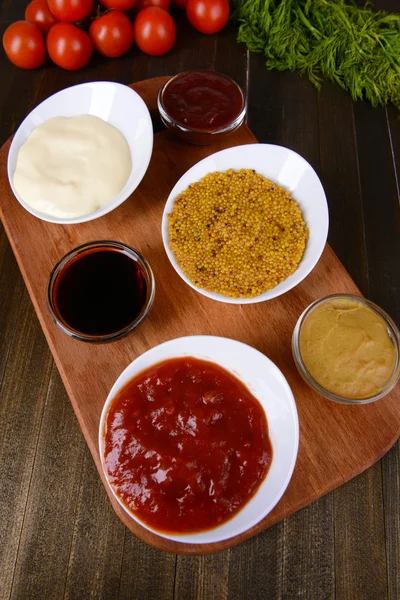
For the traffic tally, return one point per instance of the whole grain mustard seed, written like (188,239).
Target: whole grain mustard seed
(237,233)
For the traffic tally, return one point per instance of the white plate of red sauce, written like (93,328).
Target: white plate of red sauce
(199,464)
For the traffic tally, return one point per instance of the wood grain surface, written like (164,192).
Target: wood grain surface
(333,445)
(59,536)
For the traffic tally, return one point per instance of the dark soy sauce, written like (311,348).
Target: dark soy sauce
(100,292)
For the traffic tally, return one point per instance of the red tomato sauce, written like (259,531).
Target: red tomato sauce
(186,445)
(203,100)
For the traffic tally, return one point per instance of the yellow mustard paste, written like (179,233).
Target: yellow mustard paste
(346,348)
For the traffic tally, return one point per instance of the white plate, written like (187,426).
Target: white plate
(113,102)
(282,166)
(268,385)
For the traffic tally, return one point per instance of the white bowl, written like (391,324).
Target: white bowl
(268,385)
(282,166)
(113,102)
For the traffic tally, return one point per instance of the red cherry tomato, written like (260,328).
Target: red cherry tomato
(208,16)
(38,13)
(24,45)
(118,4)
(112,34)
(154,31)
(180,3)
(141,4)
(70,10)
(68,46)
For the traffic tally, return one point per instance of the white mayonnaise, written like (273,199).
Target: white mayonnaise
(69,167)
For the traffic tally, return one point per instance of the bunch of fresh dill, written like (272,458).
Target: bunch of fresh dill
(357,48)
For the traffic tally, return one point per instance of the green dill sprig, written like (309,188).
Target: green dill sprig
(357,48)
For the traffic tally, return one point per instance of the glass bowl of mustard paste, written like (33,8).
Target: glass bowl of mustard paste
(202,107)
(347,349)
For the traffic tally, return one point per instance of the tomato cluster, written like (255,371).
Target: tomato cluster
(70,29)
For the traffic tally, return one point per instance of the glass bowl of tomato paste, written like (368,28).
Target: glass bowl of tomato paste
(202,107)
(198,438)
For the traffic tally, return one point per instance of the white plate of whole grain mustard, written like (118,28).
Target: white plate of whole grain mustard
(283,167)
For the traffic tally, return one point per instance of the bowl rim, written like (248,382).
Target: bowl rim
(269,294)
(165,116)
(92,246)
(111,204)
(119,383)
(394,335)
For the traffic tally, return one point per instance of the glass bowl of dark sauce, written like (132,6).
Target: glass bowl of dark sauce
(100,291)
(202,107)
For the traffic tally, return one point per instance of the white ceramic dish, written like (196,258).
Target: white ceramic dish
(268,384)
(117,104)
(282,166)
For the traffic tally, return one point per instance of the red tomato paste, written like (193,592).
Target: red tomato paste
(186,445)
(203,100)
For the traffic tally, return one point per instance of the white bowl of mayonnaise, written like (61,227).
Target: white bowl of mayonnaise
(81,153)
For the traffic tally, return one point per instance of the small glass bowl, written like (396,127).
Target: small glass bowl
(200,137)
(394,335)
(73,256)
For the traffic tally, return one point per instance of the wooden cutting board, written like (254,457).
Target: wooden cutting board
(336,441)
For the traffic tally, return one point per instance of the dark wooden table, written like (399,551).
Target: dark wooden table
(59,536)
